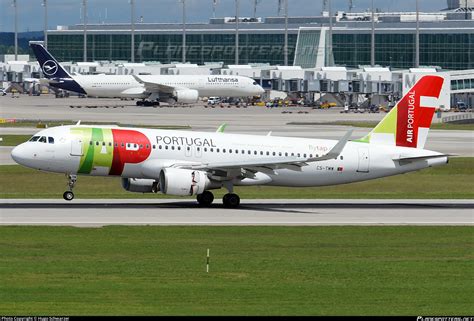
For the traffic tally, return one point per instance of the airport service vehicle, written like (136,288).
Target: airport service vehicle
(213,100)
(187,163)
(151,89)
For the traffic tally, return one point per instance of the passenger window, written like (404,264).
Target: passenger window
(103,143)
(51,140)
(97,143)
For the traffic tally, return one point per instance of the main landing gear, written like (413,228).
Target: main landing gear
(69,195)
(205,199)
(230,200)
(148,103)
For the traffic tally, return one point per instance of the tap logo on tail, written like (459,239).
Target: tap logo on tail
(407,124)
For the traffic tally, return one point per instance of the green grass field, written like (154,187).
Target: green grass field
(253,271)
(454,180)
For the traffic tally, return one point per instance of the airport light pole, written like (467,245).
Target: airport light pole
(45,5)
(417,37)
(84,14)
(285,49)
(184,31)
(132,22)
(16,29)
(330,34)
(372,41)
(236,32)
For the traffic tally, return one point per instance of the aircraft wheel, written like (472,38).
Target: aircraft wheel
(231,200)
(205,199)
(68,196)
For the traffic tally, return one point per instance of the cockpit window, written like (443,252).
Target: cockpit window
(34,138)
(255,83)
(42,139)
(51,140)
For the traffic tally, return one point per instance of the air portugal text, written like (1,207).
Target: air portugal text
(182,141)
(411,116)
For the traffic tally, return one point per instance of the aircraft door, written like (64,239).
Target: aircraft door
(187,151)
(197,151)
(364,160)
(76,147)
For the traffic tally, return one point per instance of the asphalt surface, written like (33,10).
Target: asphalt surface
(251,120)
(96,213)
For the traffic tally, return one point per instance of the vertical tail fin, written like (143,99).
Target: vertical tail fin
(50,66)
(408,123)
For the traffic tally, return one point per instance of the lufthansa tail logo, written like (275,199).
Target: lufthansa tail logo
(50,67)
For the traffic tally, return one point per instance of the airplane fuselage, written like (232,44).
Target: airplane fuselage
(126,86)
(142,153)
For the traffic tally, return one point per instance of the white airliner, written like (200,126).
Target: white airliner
(193,163)
(150,88)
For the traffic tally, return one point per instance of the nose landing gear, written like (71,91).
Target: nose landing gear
(69,195)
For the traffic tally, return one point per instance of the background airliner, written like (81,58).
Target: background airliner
(193,163)
(183,89)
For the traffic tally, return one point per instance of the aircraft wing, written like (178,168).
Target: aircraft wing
(153,87)
(268,164)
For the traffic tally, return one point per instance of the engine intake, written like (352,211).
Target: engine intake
(186,96)
(182,182)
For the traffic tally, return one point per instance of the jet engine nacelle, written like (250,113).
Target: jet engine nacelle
(139,185)
(182,182)
(186,96)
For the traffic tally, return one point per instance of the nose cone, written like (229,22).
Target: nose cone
(19,154)
(260,90)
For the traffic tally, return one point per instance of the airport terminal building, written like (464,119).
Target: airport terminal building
(446,40)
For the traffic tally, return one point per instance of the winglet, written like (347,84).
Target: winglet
(336,150)
(78,123)
(221,128)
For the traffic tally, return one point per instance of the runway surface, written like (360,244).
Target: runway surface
(96,213)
